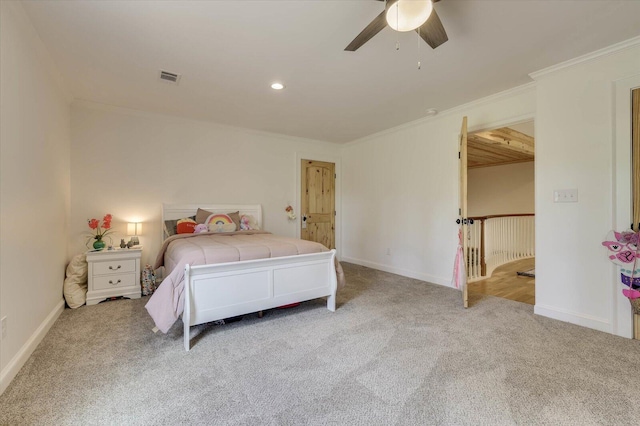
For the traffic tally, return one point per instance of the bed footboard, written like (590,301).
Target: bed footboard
(224,290)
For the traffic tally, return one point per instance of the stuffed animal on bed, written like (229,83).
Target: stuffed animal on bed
(201,227)
(244,223)
(248,223)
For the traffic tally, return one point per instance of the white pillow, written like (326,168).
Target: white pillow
(75,285)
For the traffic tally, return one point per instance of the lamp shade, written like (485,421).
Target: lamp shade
(407,15)
(134,228)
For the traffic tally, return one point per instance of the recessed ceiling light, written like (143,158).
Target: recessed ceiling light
(277,86)
(431,112)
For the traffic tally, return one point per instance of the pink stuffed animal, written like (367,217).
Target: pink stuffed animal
(202,227)
(244,223)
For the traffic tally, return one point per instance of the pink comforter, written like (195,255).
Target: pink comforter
(167,303)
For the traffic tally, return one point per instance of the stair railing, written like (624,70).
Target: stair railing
(498,239)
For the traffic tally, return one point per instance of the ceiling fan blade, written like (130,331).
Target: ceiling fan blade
(432,31)
(370,30)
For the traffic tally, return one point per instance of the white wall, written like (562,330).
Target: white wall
(400,188)
(34,184)
(507,189)
(575,149)
(128,163)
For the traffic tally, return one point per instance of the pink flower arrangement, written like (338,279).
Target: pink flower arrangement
(103,230)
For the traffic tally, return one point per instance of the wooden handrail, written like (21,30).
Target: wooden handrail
(493,216)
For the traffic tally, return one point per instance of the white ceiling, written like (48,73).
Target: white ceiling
(229,52)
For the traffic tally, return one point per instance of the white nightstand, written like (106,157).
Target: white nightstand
(113,273)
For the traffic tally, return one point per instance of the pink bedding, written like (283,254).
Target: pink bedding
(166,304)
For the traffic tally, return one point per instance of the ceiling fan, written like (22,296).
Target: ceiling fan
(405,15)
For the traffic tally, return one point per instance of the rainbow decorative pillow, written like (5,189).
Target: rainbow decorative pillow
(202,216)
(220,223)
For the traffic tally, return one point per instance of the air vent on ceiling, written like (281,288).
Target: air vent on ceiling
(169,77)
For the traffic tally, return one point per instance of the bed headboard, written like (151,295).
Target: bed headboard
(178,211)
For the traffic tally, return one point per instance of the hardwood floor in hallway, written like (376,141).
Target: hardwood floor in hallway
(506,283)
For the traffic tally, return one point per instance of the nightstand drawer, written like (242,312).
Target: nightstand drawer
(114,281)
(114,267)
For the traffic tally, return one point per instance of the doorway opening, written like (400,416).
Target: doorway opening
(501,202)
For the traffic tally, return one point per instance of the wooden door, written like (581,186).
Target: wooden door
(463,205)
(317,221)
(635,154)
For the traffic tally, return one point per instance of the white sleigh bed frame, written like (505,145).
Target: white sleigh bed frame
(217,291)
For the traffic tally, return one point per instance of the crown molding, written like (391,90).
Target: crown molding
(514,91)
(609,50)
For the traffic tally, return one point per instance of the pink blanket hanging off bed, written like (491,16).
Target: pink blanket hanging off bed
(167,303)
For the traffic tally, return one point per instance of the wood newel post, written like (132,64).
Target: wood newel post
(483,264)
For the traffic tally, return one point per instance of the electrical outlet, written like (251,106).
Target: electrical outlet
(4,327)
(388,251)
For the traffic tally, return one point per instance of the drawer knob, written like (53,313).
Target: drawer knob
(116,268)
(116,283)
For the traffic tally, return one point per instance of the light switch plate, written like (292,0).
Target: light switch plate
(565,196)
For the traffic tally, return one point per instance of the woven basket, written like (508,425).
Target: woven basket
(635,305)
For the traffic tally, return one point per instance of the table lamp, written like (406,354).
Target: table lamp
(133,230)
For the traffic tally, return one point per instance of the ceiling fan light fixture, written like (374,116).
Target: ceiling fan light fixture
(407,15)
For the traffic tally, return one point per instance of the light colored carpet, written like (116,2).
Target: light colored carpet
(396,352)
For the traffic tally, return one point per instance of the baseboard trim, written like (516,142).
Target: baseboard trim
(573,318)
(399,271)
(16,363)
